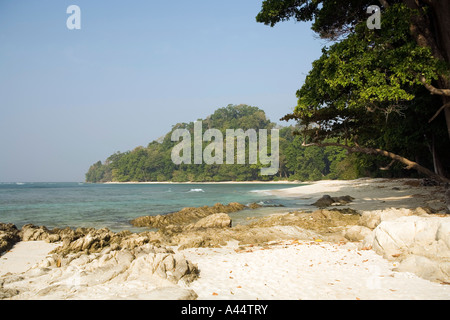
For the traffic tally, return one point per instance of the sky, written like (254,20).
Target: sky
(69,98)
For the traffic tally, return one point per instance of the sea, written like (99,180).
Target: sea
(113,206)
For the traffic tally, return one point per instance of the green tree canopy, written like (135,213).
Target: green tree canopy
(367,90)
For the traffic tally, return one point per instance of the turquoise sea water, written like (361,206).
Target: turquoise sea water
(113,206)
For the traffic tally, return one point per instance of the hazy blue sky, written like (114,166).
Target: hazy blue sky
(69,98)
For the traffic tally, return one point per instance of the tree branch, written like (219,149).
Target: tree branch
(447,105)
(388,166)
(433,89)
(409,164)
(384,3)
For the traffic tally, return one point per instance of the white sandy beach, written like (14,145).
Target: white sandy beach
(298,270)
(284,270)
(369,194)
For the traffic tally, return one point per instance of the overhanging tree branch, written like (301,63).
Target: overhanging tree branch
(433,89)
(372,151)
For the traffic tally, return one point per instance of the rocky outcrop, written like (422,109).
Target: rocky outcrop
(371,219)
(31,232)
(185,216)
(218,220)
(327,201)
(9,235)
(322,224)
(148,271)
(420,244)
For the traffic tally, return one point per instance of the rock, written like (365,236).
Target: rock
(371,219)
(254,205)
(30,232)
(147,268)
(323,202)
(218,220)
(8,293)
(425,268)
(357,233)
(94,241)
(327,201)
(343,199)
(326,214)
(429,182)
(420,243)
(9,235)
(185,216)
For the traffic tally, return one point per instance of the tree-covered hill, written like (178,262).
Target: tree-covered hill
(154,162)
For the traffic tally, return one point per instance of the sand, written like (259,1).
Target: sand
(293,270)
(24,255)
(370,194)
(305,271)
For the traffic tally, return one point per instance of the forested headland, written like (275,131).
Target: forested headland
(153,163)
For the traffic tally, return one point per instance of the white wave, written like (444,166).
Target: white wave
(196,190)
(264,192)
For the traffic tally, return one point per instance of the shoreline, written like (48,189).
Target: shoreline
(279,262)
(371,194)
(220,182)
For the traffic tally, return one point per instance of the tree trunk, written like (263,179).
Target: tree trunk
(409,164)
(441,17)
(438,168)
(447,115)
(433,31)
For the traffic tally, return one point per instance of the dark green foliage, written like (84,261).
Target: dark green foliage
(366,89)
(154,162)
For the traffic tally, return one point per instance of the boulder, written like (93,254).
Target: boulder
(327,201)
(421,244)
(357,233)
(254,205)
(9,235)
(426,268)
(218,220)
(30,232)
(185,216)
(371,219)
(323,202)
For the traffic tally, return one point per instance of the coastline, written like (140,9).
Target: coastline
(371,194)
(282,261)
(219,182)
